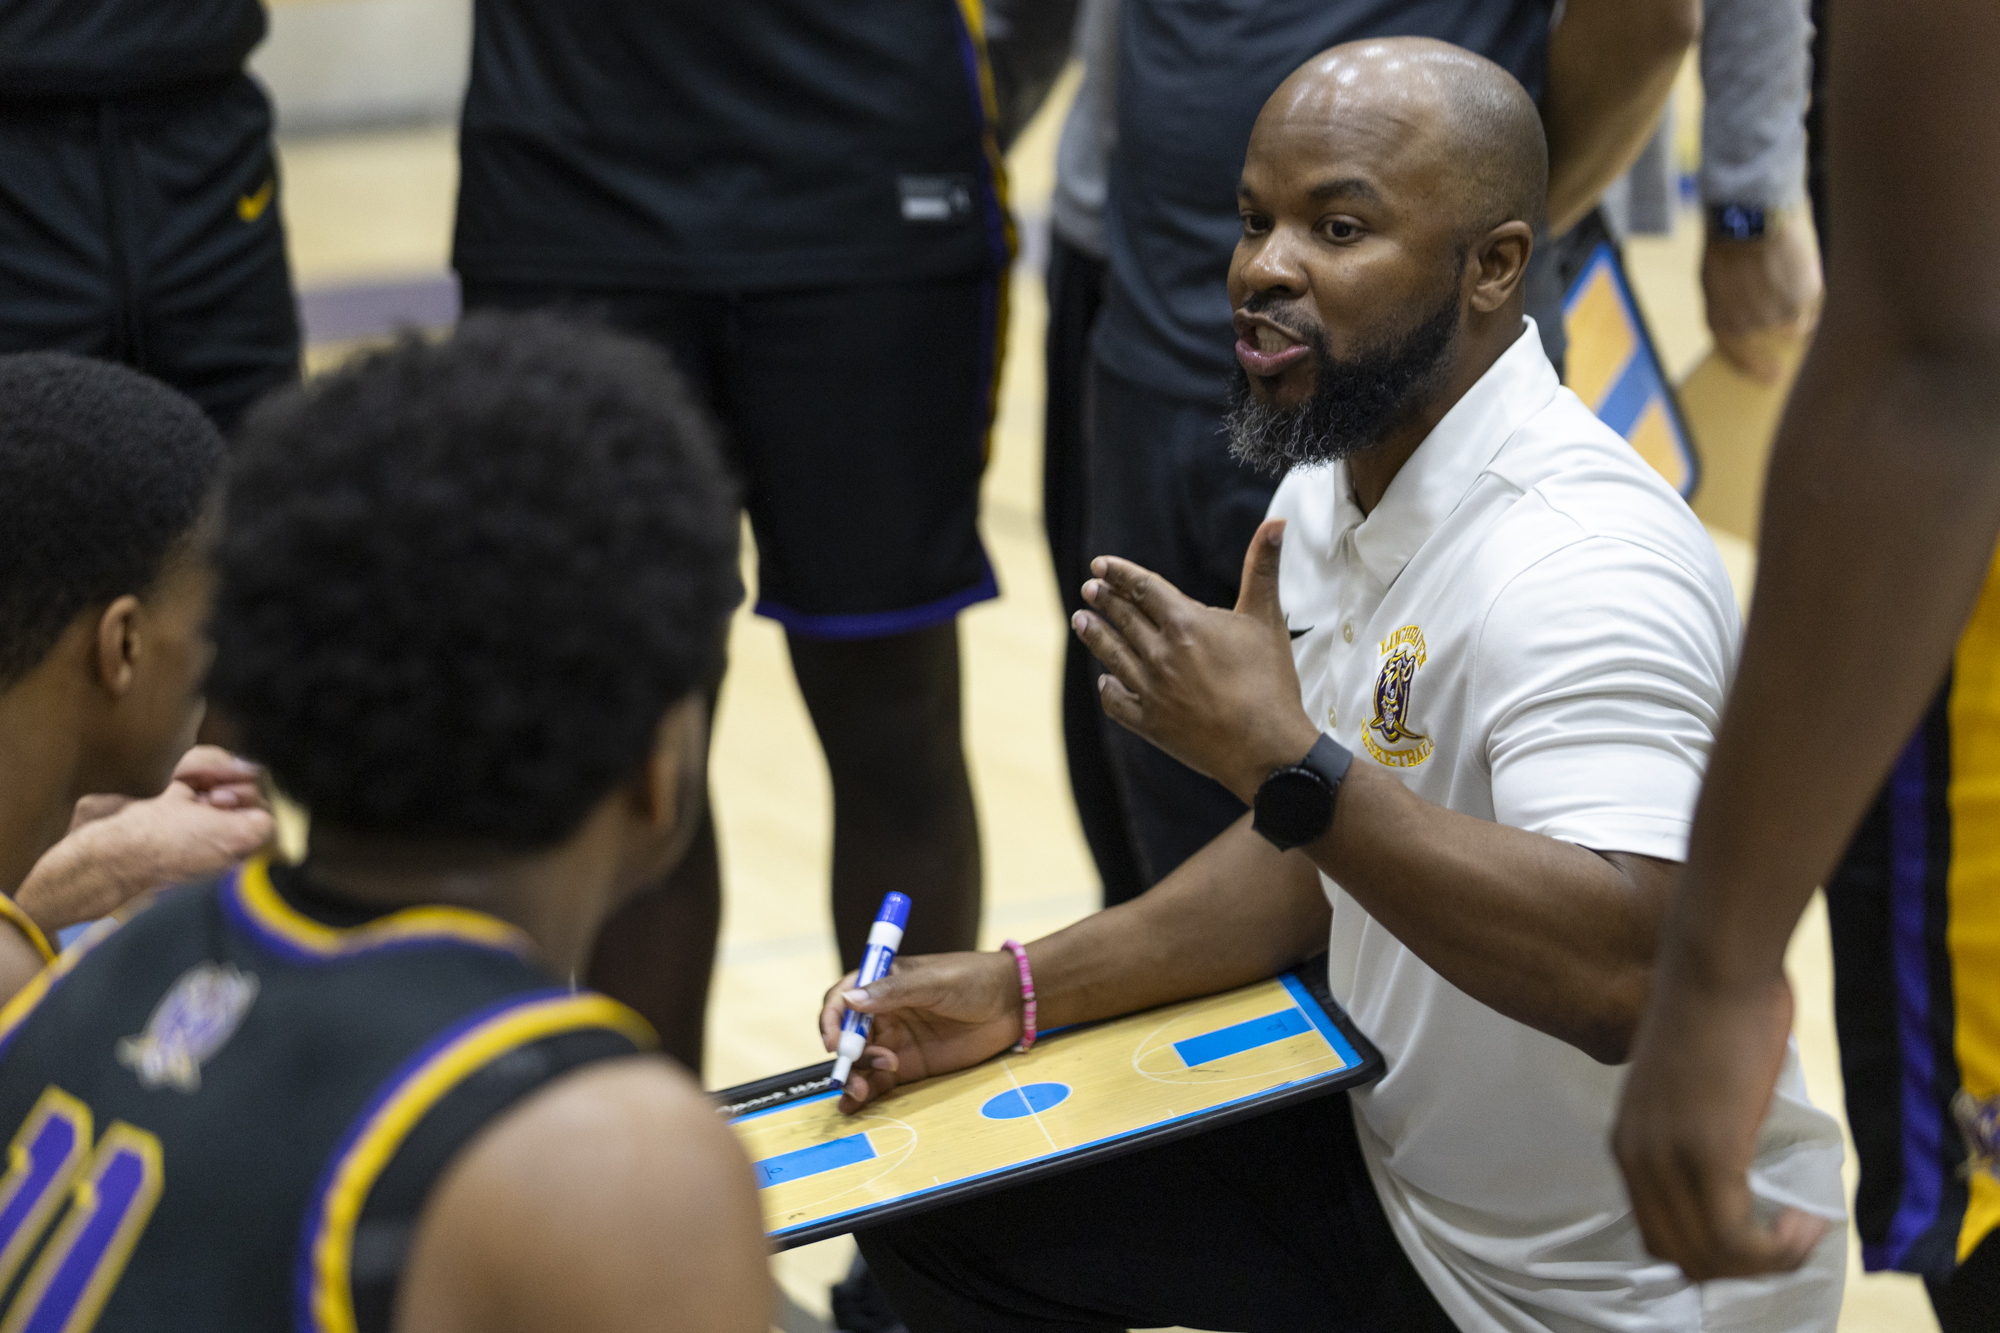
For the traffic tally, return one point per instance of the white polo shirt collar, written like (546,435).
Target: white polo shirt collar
(1438,475)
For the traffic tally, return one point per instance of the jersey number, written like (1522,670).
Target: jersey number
(111,1186)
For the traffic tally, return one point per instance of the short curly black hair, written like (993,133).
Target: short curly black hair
(103,474)
(463,581)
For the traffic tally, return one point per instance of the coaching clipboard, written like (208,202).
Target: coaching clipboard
(1083,1094)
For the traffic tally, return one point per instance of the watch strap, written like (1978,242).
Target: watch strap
(1740,222)
(1329,759)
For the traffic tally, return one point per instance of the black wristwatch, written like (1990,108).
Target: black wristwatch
(1738,222)
(1295,804)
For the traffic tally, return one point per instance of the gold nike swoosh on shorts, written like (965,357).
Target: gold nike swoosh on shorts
(250,207)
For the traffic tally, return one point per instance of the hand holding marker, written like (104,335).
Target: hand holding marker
(884,938)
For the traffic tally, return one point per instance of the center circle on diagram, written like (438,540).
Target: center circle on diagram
(1025,1100)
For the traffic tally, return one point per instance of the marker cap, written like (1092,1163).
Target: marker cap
(895,910)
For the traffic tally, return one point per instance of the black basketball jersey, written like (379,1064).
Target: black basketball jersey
(104,48)
(227,1113)
(754,145)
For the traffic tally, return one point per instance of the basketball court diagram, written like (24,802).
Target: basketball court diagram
(1081,1094)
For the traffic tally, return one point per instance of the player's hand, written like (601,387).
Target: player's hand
(1215,689)
(221,779)
(1763,296)
(211,816)
(933,1013)
(1705,1068)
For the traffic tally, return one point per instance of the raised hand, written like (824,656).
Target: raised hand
(933,1014)
(1214,688)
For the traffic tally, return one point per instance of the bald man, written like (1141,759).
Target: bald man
(1477,660)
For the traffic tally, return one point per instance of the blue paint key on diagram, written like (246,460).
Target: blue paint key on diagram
(1240,1037)
(803,1162)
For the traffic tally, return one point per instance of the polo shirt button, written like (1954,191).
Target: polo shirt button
(1347,631)
(1331,720)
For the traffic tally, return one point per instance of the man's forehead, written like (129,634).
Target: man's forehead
(1361,117)
(1365,158)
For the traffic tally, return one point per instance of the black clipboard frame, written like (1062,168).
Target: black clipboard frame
(768,1094)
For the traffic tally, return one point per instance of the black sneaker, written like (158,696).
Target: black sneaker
(859,1304)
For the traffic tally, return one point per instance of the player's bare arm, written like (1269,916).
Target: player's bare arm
(1893,430)
(19,962)
(1553,935)
(1237,911)
(1611,65)
(614,1200)
(210,817)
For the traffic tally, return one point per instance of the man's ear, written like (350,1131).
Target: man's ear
(674,770)
(1499,263)
(120,644)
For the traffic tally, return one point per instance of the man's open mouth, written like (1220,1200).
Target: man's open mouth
(1263,348)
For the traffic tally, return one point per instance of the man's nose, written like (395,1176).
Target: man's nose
(1273,268)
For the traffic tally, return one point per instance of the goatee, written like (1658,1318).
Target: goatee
(1355,402)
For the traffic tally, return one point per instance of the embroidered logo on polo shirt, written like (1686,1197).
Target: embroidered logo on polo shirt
(1388,735)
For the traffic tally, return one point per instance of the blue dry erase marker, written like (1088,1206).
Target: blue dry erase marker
(884,938)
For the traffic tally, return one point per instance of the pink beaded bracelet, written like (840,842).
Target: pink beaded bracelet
(1020,953)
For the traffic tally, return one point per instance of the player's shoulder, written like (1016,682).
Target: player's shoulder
(645,1099)
(614,1197)
(636,1128)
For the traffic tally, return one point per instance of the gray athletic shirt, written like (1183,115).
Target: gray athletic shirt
(1192,76)
(1089,132)
(1756,62)
(1756,59)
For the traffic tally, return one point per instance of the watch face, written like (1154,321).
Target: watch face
(1738,222)
(1294,806)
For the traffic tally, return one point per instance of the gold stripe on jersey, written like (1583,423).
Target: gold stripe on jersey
(21,921)
(267,911)
(331,1300)
(1972,928)
(972,13)
(15,1012)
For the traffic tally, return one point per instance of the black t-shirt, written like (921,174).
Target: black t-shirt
(105,48)
(746,145)
(1192,76)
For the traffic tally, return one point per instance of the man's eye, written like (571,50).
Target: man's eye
(1342,231)
(1254,225)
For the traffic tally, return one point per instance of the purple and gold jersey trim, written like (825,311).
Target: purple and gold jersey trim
(253,903)
(21,921)
(16,1011)
(999,218)
(325,1292)
(1972,927)
(1927,1140)
(979,74)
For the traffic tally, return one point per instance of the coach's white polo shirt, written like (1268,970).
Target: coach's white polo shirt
(1530,628)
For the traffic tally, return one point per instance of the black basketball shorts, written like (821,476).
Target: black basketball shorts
(857,418)
(145,229)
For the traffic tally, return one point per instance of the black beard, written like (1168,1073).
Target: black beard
(1354,404)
